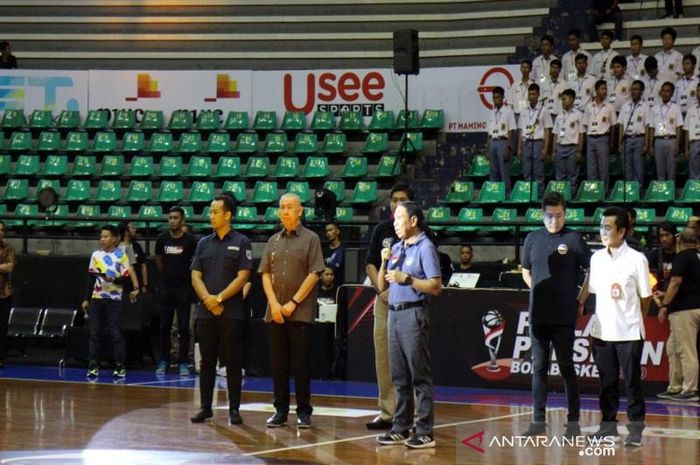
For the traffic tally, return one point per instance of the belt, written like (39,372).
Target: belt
(406,305)
(634,136)
(533,140)
(567,145)
(499,138)
(665,137)
(596,136)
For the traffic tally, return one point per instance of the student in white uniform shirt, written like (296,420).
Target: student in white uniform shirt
(533,145)
(552,89)
(652,81)
(501,130)
(598,120)
(670,60)
(600,66)
(517,94)
(687,85)
(568,60)
(696,53)
(584,84)
(619,83)
(692,135)
(619,277)
(635,60)
(665,123)
(568,140)
(540,65)
(633,140)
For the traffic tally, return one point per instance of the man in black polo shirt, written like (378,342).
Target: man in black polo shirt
(220,268)
(553,259)
(174,251)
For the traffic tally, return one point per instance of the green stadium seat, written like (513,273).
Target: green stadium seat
(202,192)
(678,215)
(199,167)
(180,120)
(5,162)
(2,140)
(237,121)
(257,167)
(228,167)
(69,119)
(20,141)
(414,142)
(316,168)
(492,192)
(549,168)
(139,191)
(44,183)
(124,119)
(171,191)
(413,120)
(270,219)
(16,189)
(382,120)
(377,142)
(27,165)
(682,168)
(133,142)
(275,143)
(337,187)
(84,165)
(237,188)
(502,215)
(355,167)
(109,191)
(305,142)
(141,167)
(591,192)
(265,192)
(265,121)
(524,192)
(246,142)
(105,141)
(150,217)
(323,121)
(86,214)
(112,166)
(189,212)
(645,218)
(334,142)
(170,167)
(344,214)
(615,165)
(461,192)
(575,217)
(96,119)
(58,218)
(365,193)
(691,192)
(190,142)
(300,188)
(351,121)
(22,212)
(389,167)
(49,141)
(119,212)
(76,141)
(12,119)
(660,192)
(624,191)
(433,119)
(286,167)
(245,218)
(479,167)
(533,219)
(161,142)
(294,121)
(204,216)
(562,187)
(152,120)
(309,214)
(40,119)
(516,167)
(208,120)
(219,142)
(468,220)
(78,190)
(438,218)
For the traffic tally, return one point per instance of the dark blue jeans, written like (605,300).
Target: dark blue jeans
(561,338)
(105,313)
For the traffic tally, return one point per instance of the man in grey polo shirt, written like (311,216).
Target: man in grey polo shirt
(411,269)
(290,267)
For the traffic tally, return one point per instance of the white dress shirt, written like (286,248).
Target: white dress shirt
(552,91)
(517,95)
(664,118)
(598,119)
(633,117)
(652,87)
(567,126)
(533,122)
(585,90)
(670,63)
(568,63)
(692,122)
(501,122)
(686,88)
(635,66)
(619,91)
(600,66)
(540,68)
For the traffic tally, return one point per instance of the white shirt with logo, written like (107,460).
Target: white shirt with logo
(670,64)
(686,91)
(501,122)
(551,91)
(692,122)
(533,122)
(633,118)
(664,118)
(585,90)
(598,119)
(635,66)
(600,65)
(567,126)
(619,91)
(517,95)
(540,68)
(568,64)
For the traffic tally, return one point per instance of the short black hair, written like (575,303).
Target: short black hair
(619,59)
(599,83)
(402,187)
(651,63)
(637,37)
(693,59)
(668,227)
(177,209)
(227,201)
(570,92)
(533,87)
(607,33)
(669,83)
(526,61)
(574,32)
(553,199)
(113,230)
(468,246)
(4,44)
(581,56)
(123,227)
(621,218)
(413,209)
(555,62)
(498,90)
(670,31)
(548,37)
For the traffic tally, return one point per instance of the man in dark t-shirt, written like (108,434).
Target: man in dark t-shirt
(553,259)
(660,258)
(174,251)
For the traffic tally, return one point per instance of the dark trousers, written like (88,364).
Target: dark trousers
(670,10)
(610,357)
(290,350)
(171,300)
(595,20)
(561,338)
(409,350)
(221,339)
(104,313)
(5,306)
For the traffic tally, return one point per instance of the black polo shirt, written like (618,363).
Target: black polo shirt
(219,260)
(686,264)
(177,256)
(555,262)
(382,236)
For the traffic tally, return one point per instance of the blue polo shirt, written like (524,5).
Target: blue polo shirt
(420,260)
(219,260)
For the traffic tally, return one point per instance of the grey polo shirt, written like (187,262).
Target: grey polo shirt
(290,258)
(219,261)
(420,260)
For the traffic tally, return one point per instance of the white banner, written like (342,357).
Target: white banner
(53,90)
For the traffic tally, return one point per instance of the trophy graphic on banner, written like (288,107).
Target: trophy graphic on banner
(493,323)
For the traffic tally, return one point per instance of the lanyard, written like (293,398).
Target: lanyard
(605,61)
(530,110)
(634,109)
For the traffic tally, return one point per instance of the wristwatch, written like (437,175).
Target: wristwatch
(219,299)
(408,281)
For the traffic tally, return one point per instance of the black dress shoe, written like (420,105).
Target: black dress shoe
(234,418)
(303,421)
(379,423)
(277,420)
(202,416)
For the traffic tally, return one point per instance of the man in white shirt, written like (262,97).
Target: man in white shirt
(517,93)
(665,123)
(687,85)
(540,65)
(619,83)
(598,120)
(568,140)
(696,52)
(692,136)
(633,139)
(635,61)
(583,85)
(619,277)
(535,126)
(652,81)
(552,89)
(600,66)
(670,60)
(568,60)
(501,129)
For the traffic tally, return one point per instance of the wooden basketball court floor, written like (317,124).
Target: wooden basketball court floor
(52,416)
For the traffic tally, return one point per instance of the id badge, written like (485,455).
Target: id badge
(684,99)
(612,98)
(616,292)
(577,101)
(529,130)
(661,127)
(561,133)
(572,76)
(594,124)
(494,132)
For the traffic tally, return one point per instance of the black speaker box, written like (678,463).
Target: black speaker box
(406,52)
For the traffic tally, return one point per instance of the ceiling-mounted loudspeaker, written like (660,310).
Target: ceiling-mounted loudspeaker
(406,52)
